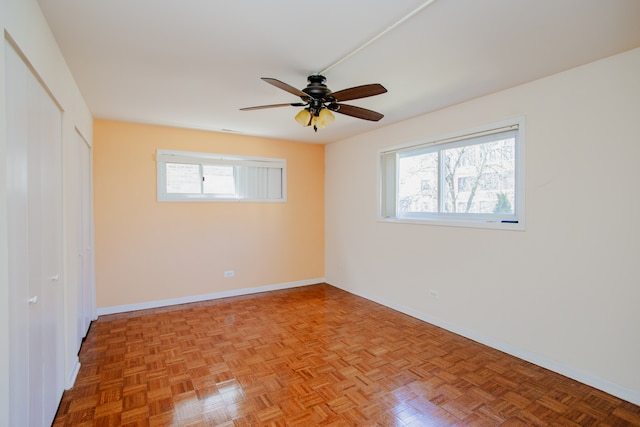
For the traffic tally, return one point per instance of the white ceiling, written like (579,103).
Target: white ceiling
(194,63)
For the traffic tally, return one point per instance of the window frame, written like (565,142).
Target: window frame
(388,182)
(203,159)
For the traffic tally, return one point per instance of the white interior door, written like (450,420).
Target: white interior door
(86,295)
(34,146)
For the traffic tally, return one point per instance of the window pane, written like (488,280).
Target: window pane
(480,178)
(218,180)
(183,178)
(195,177)
(418,183)
(467,180)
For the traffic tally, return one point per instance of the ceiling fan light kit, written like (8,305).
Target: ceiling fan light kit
(318,120)
(319,101)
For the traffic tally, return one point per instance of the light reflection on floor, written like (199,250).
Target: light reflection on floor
(218,406)
(227,401)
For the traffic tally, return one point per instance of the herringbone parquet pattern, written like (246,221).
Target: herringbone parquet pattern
(312,356)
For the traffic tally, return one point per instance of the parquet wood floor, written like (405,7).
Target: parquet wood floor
(308,357)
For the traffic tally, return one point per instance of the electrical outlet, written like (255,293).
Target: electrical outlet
(434,294)
(229,273)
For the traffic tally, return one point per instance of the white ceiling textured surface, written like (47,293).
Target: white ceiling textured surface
(195,63)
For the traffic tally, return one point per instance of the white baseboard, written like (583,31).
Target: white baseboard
(197,298)
(614,389)
(71,379)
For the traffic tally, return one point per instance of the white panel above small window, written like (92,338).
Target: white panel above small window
(206,177)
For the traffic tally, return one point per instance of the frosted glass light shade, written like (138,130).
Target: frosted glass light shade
(324,119)
(304,117)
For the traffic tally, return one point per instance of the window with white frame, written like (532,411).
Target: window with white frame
(188,176)
(472,179)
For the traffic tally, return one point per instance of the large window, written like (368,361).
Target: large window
(185,176)
(473,179)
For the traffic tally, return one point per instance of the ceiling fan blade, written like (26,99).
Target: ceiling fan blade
(286,87)
(358,92)
(359,112)
(262,107)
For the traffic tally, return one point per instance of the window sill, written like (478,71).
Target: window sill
(486,224)
(199,198)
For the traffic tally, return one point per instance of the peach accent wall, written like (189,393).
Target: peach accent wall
(151,251)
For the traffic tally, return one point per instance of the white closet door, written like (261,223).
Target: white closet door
(18,195)
(48,140)
(36,258)
(35,221)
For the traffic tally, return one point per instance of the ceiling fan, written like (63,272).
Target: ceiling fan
(319,101)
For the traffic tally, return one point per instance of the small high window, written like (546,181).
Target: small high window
(472,179)
(187,177)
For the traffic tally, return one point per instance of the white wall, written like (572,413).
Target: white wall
(565,293)
(4,243)
(22,22)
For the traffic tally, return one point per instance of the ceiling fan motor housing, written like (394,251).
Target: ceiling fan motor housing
(317,89)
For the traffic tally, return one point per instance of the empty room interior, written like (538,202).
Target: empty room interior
(408,213)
